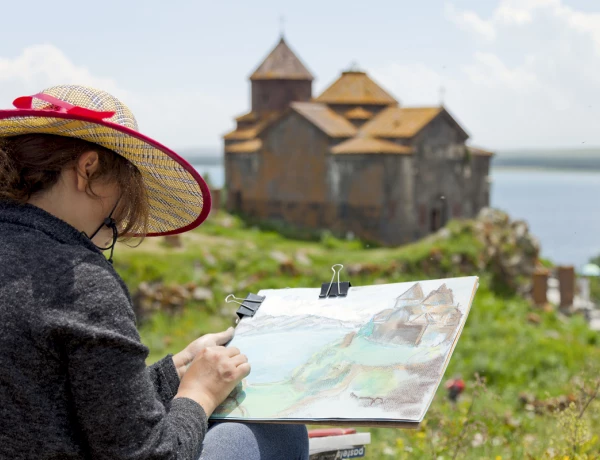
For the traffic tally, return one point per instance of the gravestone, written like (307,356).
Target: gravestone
(566,285)
(540,287)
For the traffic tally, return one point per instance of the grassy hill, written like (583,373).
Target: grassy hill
(533,361)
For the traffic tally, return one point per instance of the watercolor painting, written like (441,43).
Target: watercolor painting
(378,354)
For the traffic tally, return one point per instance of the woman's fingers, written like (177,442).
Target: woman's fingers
(244,369)
(239,359)
(232,351)
(221,338)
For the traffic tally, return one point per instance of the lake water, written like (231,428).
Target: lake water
(561,207)
(282,359)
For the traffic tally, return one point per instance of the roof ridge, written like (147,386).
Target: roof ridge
(367,144)
(393,123)
(324,118)
(356,88)
(281,64)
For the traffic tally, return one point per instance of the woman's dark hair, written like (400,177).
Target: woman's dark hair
(32,163)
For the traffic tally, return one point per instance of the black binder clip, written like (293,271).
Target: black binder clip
(248,307)
(331,289)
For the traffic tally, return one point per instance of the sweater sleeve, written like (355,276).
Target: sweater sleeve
(165,379)
(118,411)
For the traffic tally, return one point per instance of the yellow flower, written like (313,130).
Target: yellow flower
(498,457)
(400,443)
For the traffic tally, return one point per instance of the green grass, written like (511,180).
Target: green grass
(516,348)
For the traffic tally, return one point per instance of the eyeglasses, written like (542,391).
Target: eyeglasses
(112,224)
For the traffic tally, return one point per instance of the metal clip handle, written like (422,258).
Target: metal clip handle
(333,277)
(233,299)
(342,287)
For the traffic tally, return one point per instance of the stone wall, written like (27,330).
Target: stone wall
(242,172)
(479,191)
(286,179)
(276,95)
(373,195)
(391,199)
(450,183)
(294,166)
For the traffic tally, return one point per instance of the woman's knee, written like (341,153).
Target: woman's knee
(281,441)
(290,431)
(256,440)
(228,441)
(299,434)
(296,435)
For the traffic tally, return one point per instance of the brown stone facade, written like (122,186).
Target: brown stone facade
(304,164)
(276,95)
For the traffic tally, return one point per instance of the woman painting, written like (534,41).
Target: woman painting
(76,175)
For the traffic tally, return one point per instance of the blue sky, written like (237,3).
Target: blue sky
(517,73)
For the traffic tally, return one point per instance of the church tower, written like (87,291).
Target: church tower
(281,78)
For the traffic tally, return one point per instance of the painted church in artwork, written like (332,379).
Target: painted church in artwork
(351,159)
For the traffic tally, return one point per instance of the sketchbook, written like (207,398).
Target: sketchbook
(369,355)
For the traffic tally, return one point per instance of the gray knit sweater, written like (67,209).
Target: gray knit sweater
(73,379)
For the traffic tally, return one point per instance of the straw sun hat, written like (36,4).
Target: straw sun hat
(178,197)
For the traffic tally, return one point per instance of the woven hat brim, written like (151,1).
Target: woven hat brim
(178,196)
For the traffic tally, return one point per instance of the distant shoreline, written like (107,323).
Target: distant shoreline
(541,169)
(582,160)
(549,163)
(205,161)
(503,166)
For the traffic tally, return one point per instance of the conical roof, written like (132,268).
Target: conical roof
(414,296)
(355,87)
(441,296)
(281,64)
(414,293)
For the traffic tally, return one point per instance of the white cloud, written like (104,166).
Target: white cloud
(411,83)
(531,82)
(181,118)
(41,66)
(520,12)
(488,70)
(173,117)
(523,13)
(508,12)
(469,20)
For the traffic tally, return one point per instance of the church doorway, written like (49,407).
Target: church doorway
(439,214)
(237,200)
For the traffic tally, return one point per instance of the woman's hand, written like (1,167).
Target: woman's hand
(183,359)
(213,375)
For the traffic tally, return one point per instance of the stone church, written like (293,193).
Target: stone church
(352,159)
